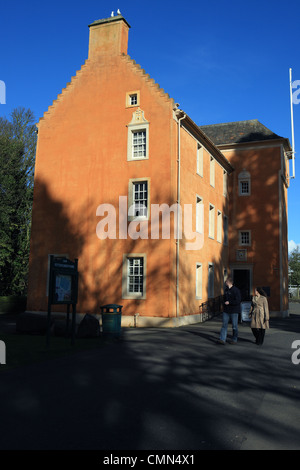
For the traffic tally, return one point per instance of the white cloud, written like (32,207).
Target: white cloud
(292,245)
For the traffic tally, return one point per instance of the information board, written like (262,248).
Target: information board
(245,309)
(63,289)
(63,281)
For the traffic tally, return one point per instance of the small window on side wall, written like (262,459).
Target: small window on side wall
(199,159)
(211,222)
(244,183)
(199,281)
(245,237)
(212,170)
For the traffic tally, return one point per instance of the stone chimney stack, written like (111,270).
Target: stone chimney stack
(108,37)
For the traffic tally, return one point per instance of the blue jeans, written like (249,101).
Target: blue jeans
(234,318)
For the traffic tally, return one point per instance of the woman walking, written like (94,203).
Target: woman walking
(260,315)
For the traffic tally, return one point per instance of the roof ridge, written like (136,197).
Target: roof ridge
(232,122)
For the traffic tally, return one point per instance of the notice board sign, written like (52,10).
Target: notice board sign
(63,281)
(63,289)
(245,310)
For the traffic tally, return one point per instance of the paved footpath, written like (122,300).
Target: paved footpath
(160,389)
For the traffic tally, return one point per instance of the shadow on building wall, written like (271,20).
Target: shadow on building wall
(59,229)
(259,213)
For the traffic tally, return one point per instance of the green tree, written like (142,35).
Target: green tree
(17,157)
(294,267)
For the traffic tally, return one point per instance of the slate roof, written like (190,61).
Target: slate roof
(238,132)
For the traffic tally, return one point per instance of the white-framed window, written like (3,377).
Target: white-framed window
(225,183)
(138,137)
(139,199)
(198,280)
(139,147)
(134,276)
(244,237)
(244,179)
(211,280)
(199,214)
(199,159)
(211,221)
(219,226)
(225,230)
(132,98)
(212,170)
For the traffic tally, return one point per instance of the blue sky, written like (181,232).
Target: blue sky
(222,61)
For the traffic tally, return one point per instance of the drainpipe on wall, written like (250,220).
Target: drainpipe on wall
(179,119)
(280,243)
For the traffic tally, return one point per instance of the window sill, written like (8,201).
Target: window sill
(134,159)
(134,297)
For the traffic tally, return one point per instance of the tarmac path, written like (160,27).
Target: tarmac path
(158,388)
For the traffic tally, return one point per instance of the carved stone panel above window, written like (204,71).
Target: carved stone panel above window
(241,255)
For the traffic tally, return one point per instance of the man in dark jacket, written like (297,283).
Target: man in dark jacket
(232,309)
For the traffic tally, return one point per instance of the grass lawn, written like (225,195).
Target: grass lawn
(24,349)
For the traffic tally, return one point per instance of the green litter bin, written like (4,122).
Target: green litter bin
(111,320)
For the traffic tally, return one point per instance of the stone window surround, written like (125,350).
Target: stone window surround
(125,293)
(137,124)
(129,94)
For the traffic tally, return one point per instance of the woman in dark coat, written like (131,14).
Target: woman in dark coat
(260,315)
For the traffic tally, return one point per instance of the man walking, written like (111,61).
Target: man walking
(232,309)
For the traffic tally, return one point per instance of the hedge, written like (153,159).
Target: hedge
(12,304)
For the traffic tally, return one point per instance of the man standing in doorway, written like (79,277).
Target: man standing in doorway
(232,309)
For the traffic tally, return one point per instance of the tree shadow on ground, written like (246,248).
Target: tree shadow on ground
(155,389)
